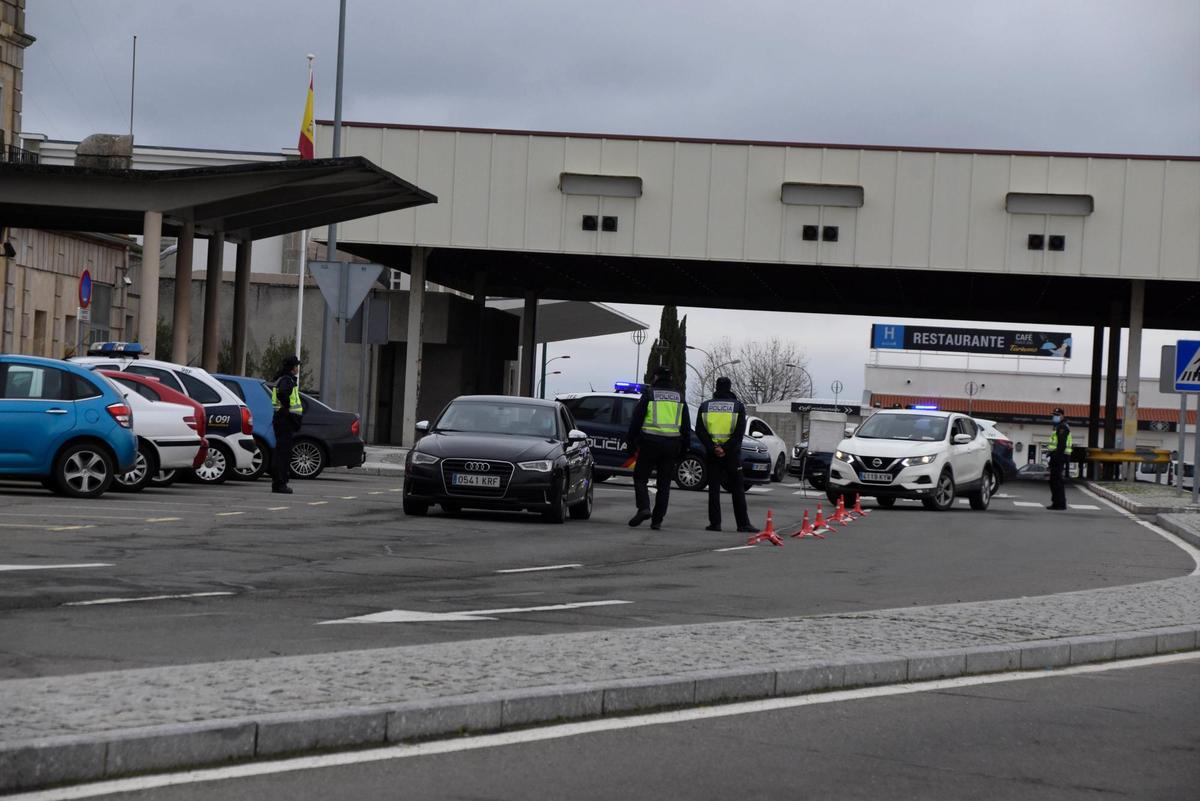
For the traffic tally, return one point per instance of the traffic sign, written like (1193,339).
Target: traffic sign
(359,280)
(1187,365)
(85,314)
(85,289)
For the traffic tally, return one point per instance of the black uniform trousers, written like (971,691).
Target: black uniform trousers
(660,455)
(281,458)
(726,470)
(1058,491)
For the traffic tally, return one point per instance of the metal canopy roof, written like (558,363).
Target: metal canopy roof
(246,201)
(561,320)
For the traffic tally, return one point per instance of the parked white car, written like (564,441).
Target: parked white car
(757,428)
(229,428)
(927,455)
(167,440)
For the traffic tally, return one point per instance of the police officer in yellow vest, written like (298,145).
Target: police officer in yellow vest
(285,400)
(659,433)
(1060,454)
(720,426)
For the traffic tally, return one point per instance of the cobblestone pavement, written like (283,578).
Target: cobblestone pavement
(98,702)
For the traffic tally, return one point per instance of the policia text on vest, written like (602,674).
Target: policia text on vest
(659,432)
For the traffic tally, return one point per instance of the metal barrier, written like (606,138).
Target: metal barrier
(1139,455)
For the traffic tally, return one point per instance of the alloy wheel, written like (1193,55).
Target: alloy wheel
(944,494)
(690,473)
(306,459)
(214,465)
(137,474)
(84,471)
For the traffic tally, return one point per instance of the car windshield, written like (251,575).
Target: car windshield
(919,427)
(479,417)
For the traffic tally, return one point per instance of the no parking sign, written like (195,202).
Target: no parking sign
(85,289)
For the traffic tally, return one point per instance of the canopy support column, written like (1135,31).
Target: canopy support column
(148,281)
(211,344)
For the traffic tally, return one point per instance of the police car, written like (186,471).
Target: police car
(605,416)
(229,431)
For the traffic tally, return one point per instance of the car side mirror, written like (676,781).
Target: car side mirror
(962,439)
(423,427)
(577,436)
(757,435)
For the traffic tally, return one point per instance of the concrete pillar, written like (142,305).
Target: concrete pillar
(1133,368)
(1112,381)
(241,293)
(148,281)
(413,348)
(482,357)
(1093,440)
(210,346)
(528,343)
(183,294)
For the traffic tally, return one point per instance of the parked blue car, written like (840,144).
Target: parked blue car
(255,395)
(64,425)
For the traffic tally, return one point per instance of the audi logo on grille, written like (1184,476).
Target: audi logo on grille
(877,462)
(477,467)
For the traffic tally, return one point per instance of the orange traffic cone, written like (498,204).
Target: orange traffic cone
(807,530)
(768,534)
(858,510)
(821,524)
(841,515)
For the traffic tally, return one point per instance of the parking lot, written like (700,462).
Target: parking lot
(200,573)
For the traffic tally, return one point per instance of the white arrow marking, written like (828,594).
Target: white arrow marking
(145,598)
(535,569)
(53,567)
(410,616)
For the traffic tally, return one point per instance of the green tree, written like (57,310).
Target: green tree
(670,348)
(276,350)
(163,334)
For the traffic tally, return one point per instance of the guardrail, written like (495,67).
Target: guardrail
(11,154)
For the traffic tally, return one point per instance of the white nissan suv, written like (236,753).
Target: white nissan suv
(927,455)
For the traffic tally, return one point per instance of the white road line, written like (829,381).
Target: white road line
(536,569)
(348,497)
(1084,506)
(1025,503)
(410,616)
(162,519)
(1004,495)
(145,598)
(760,490)
(46,528)
(229,514)
(734,548)
(53,567)
(397,489)
(963,502)
(563,730)
(276,508)
(317,503)
(376,492)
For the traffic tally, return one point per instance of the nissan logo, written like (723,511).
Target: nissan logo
(877,462)
(478,467)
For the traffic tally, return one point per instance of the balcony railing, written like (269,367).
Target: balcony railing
(11,154)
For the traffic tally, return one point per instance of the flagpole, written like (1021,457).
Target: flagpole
(303,242)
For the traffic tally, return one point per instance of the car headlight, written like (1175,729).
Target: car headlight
(423,458)
(540,466)
(845,457)
(913,461)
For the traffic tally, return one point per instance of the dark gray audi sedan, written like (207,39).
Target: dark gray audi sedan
(501,452)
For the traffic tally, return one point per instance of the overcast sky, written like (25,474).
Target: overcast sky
(1080,75)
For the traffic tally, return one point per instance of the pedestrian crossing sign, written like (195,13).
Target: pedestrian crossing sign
(1187,365)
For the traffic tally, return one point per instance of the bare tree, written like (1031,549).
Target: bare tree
(761,371)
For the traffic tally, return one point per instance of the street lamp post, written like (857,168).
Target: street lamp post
(803,372)
(542,382)
(541,392)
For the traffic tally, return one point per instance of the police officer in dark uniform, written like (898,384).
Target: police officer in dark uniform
(721,426)
(659,434)
(285,400)
(1060,454)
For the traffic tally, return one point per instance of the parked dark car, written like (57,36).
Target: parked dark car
(1004,467)
(604,417)
(811,467)
(327,437)
(1033,471)
(501,452)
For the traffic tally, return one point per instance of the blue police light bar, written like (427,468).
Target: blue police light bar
(926,407)
(628,387)
(133,349)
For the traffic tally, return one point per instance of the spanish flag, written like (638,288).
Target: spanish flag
(306,124)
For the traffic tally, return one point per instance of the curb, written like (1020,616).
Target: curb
(1183,532)
(39,763)
(1140,509)
(378,469)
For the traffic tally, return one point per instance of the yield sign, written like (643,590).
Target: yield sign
(358,282)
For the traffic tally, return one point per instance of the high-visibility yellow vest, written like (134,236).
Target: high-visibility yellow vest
(1053,444)
(718,420)
(664,413)
(294,405)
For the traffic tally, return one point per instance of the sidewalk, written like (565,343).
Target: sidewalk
(383,460)
(90,726)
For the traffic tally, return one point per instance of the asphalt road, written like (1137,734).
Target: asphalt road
(266,569)
(1122,733)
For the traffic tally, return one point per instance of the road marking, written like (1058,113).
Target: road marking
(1084,506)
(410,616)
(800,492)
(47,528)
(68,528)
(535,569)
(229,514)
(145,598)
(317,503)
(397,489)
(1025,503)
(276,508)
(348,497)
(162,519)
(74,517)
(1003,495)
(563,730)
(759,489)
(734,548)
(376,492)
(963,502)
(54,567)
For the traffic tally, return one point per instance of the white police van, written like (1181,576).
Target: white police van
(230,441)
